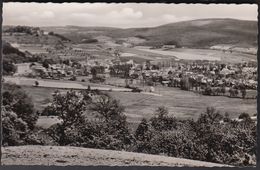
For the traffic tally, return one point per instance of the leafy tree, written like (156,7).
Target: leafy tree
(15,99)
(66,62)
(110,112)
(161,120)
(36,83)
(161,111)
(184,83)
(122,70)
(70,109)
(107,107)
(233,92)
(48,111)
(8,67)
(223,90)
(45,63)
(226,117)
(51,33)
(147,64)
(243,92)
(208,91)
(14,128)
(143,127)
(93,72)
(73,78)
(210,116)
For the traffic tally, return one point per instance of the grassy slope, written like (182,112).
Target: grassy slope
(63,156)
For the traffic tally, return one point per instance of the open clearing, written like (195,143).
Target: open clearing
(69,156)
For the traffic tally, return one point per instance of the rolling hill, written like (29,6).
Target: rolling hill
(201,33)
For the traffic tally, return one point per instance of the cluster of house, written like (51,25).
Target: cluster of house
(61,70)
(208,73)
(165,71)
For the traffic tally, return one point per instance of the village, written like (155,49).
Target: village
(207,77)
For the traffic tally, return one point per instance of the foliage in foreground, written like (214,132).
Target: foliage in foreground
(96,120)
(108,131)
(207,139)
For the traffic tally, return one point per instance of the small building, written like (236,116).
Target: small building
(168,46)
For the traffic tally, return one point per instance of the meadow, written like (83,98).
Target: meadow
(201,54)
(181,104)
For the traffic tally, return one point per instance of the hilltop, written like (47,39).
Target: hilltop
(63,156)
(201,33)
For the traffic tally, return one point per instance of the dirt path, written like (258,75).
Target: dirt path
(63,156)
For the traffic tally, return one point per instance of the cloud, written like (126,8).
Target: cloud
(172,18)
(122,15)
(81,16)
(47,14)
(125,13)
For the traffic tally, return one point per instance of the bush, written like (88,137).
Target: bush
(244,116)
(97,79)
(73,78)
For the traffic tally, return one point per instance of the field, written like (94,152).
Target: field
(143,53)
(200,54)
(181,104)
(182,55)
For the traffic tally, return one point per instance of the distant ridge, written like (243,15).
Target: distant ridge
(200,33)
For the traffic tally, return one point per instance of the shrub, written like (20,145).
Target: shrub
(244,116)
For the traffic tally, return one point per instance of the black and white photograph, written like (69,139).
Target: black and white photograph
(129,84)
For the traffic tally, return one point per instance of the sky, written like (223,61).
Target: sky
(123,15)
